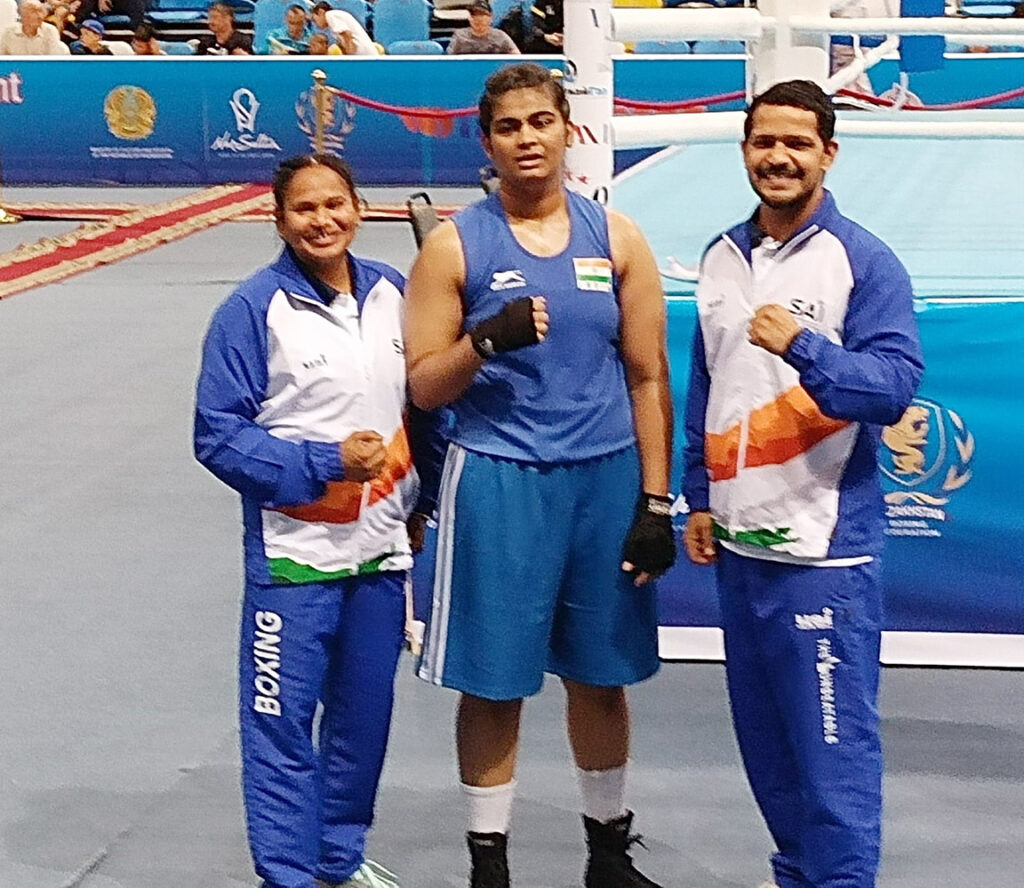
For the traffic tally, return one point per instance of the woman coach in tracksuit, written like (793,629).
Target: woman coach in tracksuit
(300,408)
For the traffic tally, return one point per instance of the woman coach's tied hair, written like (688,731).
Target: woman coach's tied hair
(524,76)
(287,169)
(797,94)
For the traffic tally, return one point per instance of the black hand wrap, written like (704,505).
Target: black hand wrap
(651,546)
(510,328)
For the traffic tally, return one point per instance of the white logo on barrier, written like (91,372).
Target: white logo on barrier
(339,120)
(245,106)
(10,89)
(245,118)
(507,280)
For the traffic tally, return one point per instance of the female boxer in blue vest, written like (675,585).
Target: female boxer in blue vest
(301,408)
(538,316)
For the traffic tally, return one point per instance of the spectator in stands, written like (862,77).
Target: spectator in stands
(62,15)
(32,36)
(223,39)
(90,39)
(293,38)
(320,44)
(144,41)
(345,30)
(480,38)
(135,10)
(548,22)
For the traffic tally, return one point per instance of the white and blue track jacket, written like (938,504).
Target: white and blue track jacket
(783,451)
(287,375)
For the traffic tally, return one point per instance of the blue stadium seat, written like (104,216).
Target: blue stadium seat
(648,47)
(175,16)
(177,47)
(184,12)
(719,47)
(415,47)
(360,10)
(398,20)
(116,22)
(989,10)
(501,8)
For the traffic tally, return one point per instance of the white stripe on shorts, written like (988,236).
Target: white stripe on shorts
(432,662)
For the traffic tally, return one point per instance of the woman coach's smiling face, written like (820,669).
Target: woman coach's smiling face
(319,217)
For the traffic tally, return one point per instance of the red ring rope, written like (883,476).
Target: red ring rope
(434,113)
(682,105)
(966,104)
(638,105)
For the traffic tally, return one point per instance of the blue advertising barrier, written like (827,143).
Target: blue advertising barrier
(193,120)
(953,498)
(954,503)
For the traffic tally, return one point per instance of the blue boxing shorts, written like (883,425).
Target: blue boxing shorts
(529,577)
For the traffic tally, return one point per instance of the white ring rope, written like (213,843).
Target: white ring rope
(749,24)
(785,39)
(657,130)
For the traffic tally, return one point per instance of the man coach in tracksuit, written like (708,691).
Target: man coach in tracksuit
(806,347)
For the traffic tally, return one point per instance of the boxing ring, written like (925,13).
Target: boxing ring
(943,189)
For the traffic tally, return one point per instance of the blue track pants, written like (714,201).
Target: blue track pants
(308,809)
(802,646)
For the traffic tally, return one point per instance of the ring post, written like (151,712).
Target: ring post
(320,103)
(589,85)
(785,53)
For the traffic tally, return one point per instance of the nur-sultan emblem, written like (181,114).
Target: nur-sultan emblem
(130,112)
(925,459)
(339,119)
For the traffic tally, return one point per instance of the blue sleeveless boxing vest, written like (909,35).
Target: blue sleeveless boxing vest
(564,399)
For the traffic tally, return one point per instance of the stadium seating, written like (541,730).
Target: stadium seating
(398,20)
(415,47)
(646,47)
(989,10)
(177,47)
(116,22)
(360,10)
(174,13)
(118,47)
(719,47)
(452,12)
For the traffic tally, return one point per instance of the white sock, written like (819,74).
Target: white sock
(604,793)
(490,807)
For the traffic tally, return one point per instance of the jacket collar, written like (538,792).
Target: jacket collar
(748,235)
(302,282)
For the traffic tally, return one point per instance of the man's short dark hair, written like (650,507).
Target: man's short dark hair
(522,76)
(797,94)
(144,33)
(324,5)
(222,8)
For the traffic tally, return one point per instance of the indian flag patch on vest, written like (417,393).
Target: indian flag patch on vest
(593,274)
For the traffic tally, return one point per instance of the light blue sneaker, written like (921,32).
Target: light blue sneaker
(369,875)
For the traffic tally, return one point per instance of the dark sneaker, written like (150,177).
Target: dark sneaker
(610,864)
(489,855)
